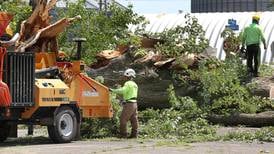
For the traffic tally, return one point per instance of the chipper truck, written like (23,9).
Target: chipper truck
(37,89)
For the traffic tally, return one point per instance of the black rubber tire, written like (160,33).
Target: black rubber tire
(4,131)
(78,132)
(55,130)
(51,132)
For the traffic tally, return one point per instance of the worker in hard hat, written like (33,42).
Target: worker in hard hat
(129,92)
(252,38)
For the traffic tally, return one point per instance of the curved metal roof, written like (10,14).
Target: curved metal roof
(214,24)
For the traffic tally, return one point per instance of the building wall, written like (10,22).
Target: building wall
(199,6)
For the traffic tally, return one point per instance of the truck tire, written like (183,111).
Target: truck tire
(4,131)
(51,133)
(78,132)
(64,127)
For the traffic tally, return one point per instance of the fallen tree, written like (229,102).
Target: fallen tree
(152,88)
(254,120)
(37,34)
(219,87)
(153,80)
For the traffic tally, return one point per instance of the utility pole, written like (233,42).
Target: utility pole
(256,5)
(100,5)
(105,5)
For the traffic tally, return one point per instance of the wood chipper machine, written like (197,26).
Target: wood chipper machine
(37,89)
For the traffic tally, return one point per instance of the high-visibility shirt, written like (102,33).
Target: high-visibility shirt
(253,34)
(129,91)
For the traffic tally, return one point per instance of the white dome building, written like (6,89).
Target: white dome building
(214,24)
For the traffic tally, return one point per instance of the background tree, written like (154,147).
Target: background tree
(102,29)
(19,8)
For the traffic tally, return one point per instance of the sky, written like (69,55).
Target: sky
(158,6)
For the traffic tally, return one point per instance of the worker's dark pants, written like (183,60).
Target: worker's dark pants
(253,54)
(129,113)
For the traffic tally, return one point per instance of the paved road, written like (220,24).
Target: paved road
(117,146)
(42,145)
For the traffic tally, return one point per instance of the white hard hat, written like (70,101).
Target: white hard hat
(130,73)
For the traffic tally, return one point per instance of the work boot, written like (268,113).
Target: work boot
(255,74)
(132,136)
(122,136)
(250,75)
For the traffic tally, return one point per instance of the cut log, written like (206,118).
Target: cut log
(183,61)
(153,83)
(109,54)
(122,48)
(10,42)
(254,120)
(263,87)
(36,33)
(39,19)
(46,38)
(164,62)
(103,58)
(150,42)
(150,57)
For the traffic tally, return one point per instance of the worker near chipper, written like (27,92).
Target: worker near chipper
(252,37)
(130,110)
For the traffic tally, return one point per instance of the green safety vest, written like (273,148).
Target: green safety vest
(129,91)
(253,34)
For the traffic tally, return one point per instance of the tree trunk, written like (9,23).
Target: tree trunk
(263,87)
(153,84)
(254,120)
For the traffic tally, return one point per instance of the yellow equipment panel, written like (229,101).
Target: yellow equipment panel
(48,93)
(51,92)
(91,97)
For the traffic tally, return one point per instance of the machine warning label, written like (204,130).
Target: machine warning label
(90,93)
(56,99)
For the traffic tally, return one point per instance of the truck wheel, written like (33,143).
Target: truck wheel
(78,132)
(64,128)
(4,131)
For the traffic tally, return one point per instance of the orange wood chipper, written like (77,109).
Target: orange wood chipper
(37,89)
